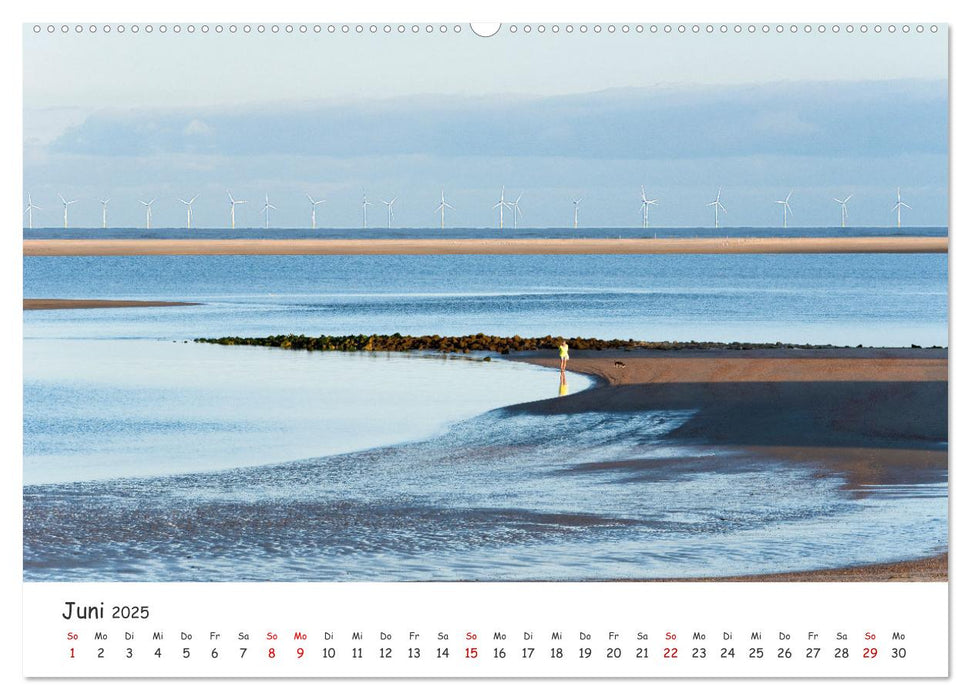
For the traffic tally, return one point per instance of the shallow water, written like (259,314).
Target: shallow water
(503,496)
(97,409)
(148,459)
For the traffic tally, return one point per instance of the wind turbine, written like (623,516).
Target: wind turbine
(148,212)
(442,207)
(232,208)
(29,211)
(188,211)
(576,212)
(786,209)
(104,212)
(898,206)
(516,211)
(265,211)
(390,206)
(718,205)
(364,205)
(66,203)
(842,203)
(645,208)
(501,204)
(313,210)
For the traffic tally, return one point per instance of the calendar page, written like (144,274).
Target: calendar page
(514,350)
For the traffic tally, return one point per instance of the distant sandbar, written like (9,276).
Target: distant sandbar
(486,246)
(51,304)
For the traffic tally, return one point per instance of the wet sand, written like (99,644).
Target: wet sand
(927,569)
(832,398)
(485,246)
(50,304)
(877,417)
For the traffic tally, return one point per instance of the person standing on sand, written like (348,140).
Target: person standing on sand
(564,355)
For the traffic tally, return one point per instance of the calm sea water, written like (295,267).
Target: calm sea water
(97,409)
(149,458)
(837,299)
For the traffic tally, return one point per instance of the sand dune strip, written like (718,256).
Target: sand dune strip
(51,304)
(485,246)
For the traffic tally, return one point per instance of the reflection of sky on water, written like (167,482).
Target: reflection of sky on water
(502,496)
(838,299)
(404,471)
(100,408)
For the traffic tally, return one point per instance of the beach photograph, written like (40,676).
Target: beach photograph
(580,303)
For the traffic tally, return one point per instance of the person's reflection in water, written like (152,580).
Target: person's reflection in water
(564,387)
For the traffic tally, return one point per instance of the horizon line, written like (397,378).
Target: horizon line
(478,228)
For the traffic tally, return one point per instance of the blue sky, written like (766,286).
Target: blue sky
(551,117)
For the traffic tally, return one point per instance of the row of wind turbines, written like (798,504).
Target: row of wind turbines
(787,210)
(502,205)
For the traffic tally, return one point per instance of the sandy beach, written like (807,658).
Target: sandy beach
(927,569)
(874,416)
(51,304)
(845,398)
(485,246)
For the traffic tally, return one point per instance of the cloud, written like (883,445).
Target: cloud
(197,127)
(785,123)
(858,118)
